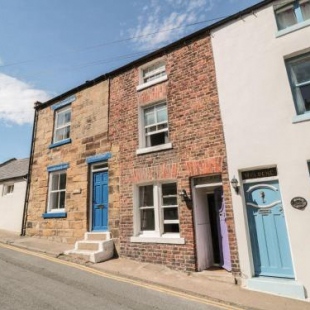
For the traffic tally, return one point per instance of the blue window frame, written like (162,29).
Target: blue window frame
(292,13)
(57,191)
(299,74)
(62,122)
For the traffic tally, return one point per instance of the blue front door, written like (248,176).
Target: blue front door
(100,205)
(269,240)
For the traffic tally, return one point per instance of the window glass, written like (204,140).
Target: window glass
(305,9)
(293,13)
(286,17)
(57,192)
(164,208)
(62,124)
(153,72)
(156,125)
(299,74)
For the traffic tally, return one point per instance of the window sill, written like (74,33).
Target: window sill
(301,118)
(59,143)
(167,240)
(293,28)
(54,215)
(156,148)
(151,83)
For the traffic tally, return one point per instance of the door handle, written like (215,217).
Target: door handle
(100,207)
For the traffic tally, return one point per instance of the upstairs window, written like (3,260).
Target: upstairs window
(155,120)
(299,74)
(292,13)
(152,73)
(8,189)
(62,124)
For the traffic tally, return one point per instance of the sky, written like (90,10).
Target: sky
(48,47)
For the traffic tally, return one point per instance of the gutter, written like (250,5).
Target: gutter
(34,129)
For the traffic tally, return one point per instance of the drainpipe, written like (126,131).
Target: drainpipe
(34,129)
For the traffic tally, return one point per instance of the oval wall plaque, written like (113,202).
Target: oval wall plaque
(299,203)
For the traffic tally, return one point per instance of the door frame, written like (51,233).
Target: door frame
(209,188)
(246,223)
(95,167)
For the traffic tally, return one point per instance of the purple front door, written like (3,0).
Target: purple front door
(223,231)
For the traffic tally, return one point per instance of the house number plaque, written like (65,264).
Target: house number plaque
(299,203)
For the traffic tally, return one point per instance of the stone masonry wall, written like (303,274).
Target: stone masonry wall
(89,134)
(195,131)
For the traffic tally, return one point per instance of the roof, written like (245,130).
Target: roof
(182,41)
(14,168)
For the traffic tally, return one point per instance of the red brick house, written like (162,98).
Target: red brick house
(175,205)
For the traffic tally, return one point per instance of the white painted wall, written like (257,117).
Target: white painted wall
(257,110)
(12,206)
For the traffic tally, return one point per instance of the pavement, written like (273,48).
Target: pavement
(215,285)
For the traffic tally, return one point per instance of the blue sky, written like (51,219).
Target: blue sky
(50,46)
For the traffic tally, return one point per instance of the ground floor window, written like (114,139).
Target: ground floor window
(157,211)
(57,191)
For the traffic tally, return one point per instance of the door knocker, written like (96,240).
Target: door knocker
(262,194)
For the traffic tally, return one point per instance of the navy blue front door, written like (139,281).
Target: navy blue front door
(100,205)
(269,240)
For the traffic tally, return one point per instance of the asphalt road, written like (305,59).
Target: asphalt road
(34,282)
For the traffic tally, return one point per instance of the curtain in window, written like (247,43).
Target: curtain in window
(305,9)
(286,17)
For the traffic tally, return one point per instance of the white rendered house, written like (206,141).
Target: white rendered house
(13,182)
(262,64)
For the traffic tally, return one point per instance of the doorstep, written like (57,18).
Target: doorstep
(277,286)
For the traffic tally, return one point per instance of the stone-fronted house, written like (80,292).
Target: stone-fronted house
(152,130)
(13,183)
(265,112)
(73,176)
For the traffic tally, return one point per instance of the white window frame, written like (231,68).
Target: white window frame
(51,191)
(157,235)
(300,20)
(66,125)
(302,113)
(160,71)
(143,148)
(8,189)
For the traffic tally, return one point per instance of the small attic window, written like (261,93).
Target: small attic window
(152,73)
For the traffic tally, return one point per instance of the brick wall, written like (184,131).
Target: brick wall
(89,134)
(195,130)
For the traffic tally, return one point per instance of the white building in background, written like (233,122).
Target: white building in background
(263,72)
(13,182)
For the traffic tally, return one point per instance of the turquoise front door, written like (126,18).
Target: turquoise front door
(269,240)
(100,204)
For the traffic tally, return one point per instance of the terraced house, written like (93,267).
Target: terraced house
(138,156)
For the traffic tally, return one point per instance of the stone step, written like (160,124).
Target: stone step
(101,236)
(87,245)
(104,250)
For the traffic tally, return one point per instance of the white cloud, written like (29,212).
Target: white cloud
(160,16)
(17,99)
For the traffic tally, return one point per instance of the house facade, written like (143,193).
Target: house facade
(147,141)
(265,113)
(13,182)
(74,174)
(175,206)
